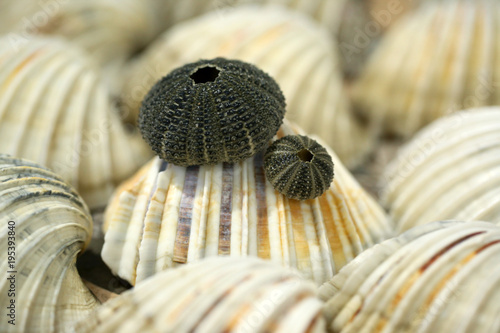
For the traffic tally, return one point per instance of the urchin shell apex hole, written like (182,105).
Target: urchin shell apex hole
(205,74)
(305,155)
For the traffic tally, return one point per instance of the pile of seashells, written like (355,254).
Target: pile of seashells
(250,166)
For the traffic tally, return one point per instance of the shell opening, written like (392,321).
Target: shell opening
(305,155)
(205,74)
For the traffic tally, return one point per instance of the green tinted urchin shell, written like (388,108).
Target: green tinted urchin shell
(211,111)
(298,167)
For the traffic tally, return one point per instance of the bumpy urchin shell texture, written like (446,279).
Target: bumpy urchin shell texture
(298,167)
(211,111)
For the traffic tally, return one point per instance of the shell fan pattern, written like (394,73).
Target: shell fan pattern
(441,58)
(211,111)
(56,111)
(51,226)
(214,295)
(298,167)
(167,215)
(288,46)
(438,277)
(450,170)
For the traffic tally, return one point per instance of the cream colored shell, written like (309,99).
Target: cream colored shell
(439,277)
(441,58)
(167,215)
(55,111)
(292,49)
(51,225)
(450,170)
(214,295)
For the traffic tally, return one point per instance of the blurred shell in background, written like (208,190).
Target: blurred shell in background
(55,111)
(214,295)
(50,225)
(438,59)
(298,54)
(439,277)
(450,170)
(167,215)
(107,29)
(328,13)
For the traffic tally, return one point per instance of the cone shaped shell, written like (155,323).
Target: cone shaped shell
(450,170)
(55,111)
(214,295)
(49,226)
(442,58)
(439,277)
(167,215)
(293,50)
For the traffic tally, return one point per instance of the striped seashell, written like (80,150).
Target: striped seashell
(293,50)
(45,224)
(441,58)
(55,111)
(168,215)
(450,170)
(214,295)
(438,277)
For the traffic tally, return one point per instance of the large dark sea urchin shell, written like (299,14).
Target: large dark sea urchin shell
(211,111)
(298,167)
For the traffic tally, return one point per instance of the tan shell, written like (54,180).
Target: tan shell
(450,170)
(51,225)
(293,50)
(55,111)
(214,295)
(439,277)
(443,57)
(167,215)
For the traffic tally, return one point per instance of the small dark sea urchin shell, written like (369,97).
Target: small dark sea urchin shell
(211,111)
(298,167)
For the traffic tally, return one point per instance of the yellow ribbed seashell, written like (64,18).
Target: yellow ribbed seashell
(168,215)
(450,170)
(438,277)
(214,295)
(439,59)
(297,53)
(55,110)
(45,225)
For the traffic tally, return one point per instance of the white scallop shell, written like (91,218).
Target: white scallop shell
(439,277)
(441,58)
(450,170)
(55,111)
(293,50)
(167,215)
(51,225)
(214,295)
